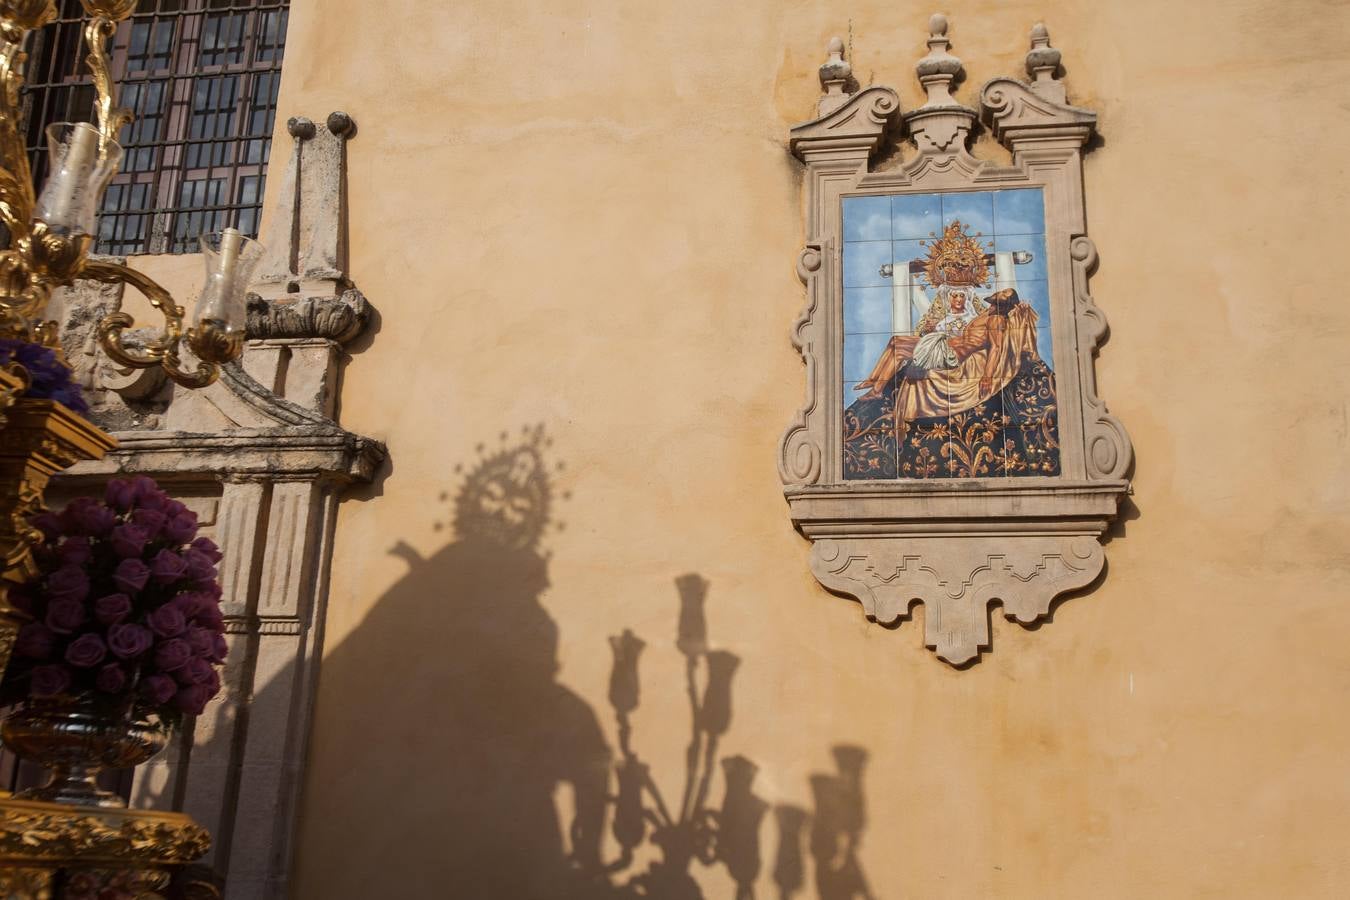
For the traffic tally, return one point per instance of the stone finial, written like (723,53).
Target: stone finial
(939,68)
(1043,63)
(834,78)
(300,128)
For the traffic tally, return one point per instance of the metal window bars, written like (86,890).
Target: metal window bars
(201,77)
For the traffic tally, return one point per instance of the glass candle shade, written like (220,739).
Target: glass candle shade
(230,260)
(80,172)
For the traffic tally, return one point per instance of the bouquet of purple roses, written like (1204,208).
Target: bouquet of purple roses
(126,608)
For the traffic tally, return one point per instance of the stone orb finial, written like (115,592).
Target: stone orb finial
(1040,35)
(836,45)
(341,124)
(937,24)
(300,127)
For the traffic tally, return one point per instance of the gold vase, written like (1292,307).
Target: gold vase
(76,741)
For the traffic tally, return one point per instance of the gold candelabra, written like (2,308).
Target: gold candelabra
(51,232)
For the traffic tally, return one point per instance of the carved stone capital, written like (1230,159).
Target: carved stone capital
(339,318)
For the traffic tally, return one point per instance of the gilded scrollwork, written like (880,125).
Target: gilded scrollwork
(42,833)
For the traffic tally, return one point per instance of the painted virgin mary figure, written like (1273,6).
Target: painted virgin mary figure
(956,398)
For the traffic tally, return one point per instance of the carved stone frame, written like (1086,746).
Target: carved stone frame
(955,545)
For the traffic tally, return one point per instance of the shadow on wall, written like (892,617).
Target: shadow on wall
(453,736)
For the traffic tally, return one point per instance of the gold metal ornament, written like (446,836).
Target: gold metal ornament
(40,257)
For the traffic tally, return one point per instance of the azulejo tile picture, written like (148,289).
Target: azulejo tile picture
(948,362)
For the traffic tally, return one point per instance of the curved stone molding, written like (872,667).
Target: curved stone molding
(969,538)
(957,581)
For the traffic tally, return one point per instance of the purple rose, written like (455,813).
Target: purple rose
(68,582)
(191,603)
(158,689)
(168,566)
(194,671)
(199,566)
(220,648)
(75,551)
(87,516)
(111,679)
(35,641)
(86,651)
(112,609)
(172,654)
(129,540)
(120,494)
(175,508)
(131,575)
(192,698)
(48,681)
(210,617)
(167,621)
(129,641)
(151,520)
(64,615)
(148,494)
(49,523)
(202,641)
(180,529)
(207,546)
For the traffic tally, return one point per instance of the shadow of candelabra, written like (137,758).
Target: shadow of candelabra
(836,829)
(474,746)
(689,831)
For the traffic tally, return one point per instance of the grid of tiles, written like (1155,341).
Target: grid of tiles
(886,241)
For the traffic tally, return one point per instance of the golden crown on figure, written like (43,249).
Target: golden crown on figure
(956,258)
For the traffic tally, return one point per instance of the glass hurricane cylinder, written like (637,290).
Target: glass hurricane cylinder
(80,172)
(230,260)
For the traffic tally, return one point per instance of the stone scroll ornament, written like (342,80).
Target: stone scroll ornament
(952,450)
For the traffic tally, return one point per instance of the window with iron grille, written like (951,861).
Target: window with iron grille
(201,77)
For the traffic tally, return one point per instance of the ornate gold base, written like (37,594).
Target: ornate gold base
(91,848)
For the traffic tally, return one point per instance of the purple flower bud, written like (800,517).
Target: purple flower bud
(151,520)
(129,641)
(199,566)
(112,609)
(172,654)
(213,682)
(111,679)
(192,698)
(128,541)
(86,651)
(181,529)
(202,641)
(75,551)
(68,583)
(49,523)
(35,641)
(64,615)
(148,495)
(174,508)
(48,681)
(207,546)
(167,621)
(159,689)
(87,516)
(194,671)
(120,494)
(191,603)
(210,617)
(131,575)
(168,566)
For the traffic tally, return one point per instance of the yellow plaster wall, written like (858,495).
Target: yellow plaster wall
(583,215)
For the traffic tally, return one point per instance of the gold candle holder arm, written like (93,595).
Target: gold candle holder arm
(17,19)
(161,350)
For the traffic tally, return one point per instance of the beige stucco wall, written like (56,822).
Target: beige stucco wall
(582,214)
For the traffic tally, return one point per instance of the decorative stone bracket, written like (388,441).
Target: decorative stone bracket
(956,545)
